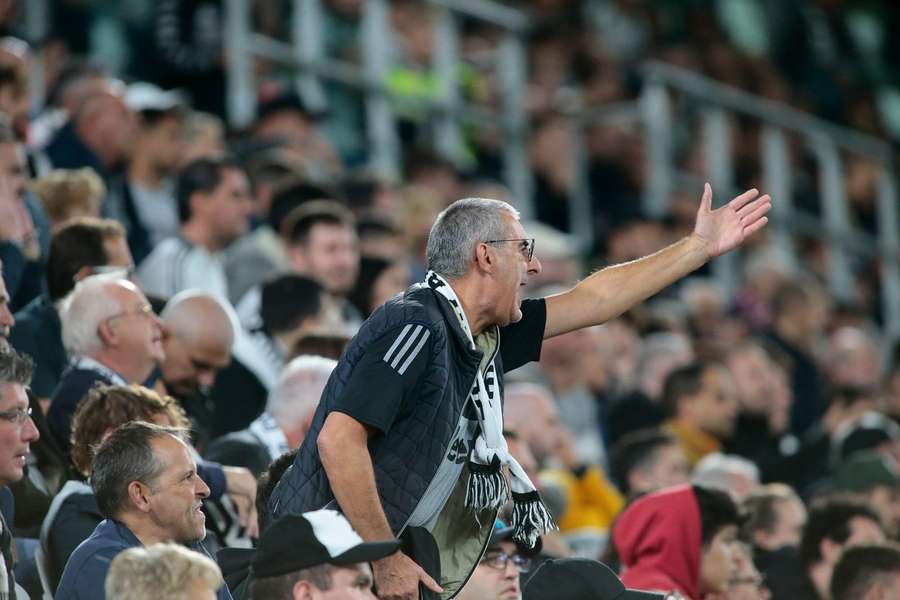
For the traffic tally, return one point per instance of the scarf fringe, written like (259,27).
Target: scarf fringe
(487,488)
(530,518)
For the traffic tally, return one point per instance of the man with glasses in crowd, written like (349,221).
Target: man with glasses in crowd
(17,431)
(427,461)
(497,575)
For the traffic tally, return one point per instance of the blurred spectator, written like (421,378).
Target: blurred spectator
(427,170)
(700,399)
(166,570)
(497,575)
(775,519)
(559,256)
(69,194)
(214,204)
(7,320)
(81,248)
(647,460)
(143,197)
(328,345)
(867,572)
(288,415)
(380,237)
(264,252)
(660,354)
(679,539)
(378,281)
(733,474)
(854,358)
(203,137)
(24,231)
(200,333)
(554,170)
(14,95)
(874,479)
(156,497)
(591,501)
(292,306)
(799,314)
(98,134)
(834,525)
(112,335)
(746,583)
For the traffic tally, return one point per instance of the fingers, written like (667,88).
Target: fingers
(753,212)
(756,226)
(706,198)
(430,583)
(744,198)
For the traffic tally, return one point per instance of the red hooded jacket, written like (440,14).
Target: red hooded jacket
(658,540)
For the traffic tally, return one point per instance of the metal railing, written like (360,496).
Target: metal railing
(828,143)
(653,113)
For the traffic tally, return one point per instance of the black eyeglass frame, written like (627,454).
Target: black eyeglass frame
(528,249)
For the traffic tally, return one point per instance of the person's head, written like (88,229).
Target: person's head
(111,321)
(163,570)
(702,396)
(200,333)
(380,236)
(315,556)
(496,577)
(719,523)
(854,358)
(686,532)
(83,247)
(727,472)
(67,194)
(160,127)
(13,163)
(214,199)
(833,525)
(483,239)
(293,305)
(531,411)
(293,400)
(143,475)
(106,407)
(874,478)
(775,517)
(647,460)
(14,93)
(746,583)
(266,484)
(797,310)
(379,280)
(203,137)
(321,243)
(7,320)
(661,353)
(105,125)
(867,572)
(17,430)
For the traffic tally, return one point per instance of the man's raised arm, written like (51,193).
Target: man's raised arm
(610,292)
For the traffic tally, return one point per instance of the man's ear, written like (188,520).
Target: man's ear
(197,203)
(139,496)
(484,258)
(106,333)
(302,590)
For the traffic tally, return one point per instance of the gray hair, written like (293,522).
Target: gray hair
(164,570)
(717,471)
(15,367)
(459,227)
(89,304)
(299,388)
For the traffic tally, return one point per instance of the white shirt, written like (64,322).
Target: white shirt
(176,265)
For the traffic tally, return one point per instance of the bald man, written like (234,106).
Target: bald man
(200,333)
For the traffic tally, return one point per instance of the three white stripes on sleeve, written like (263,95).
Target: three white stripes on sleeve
(406,347)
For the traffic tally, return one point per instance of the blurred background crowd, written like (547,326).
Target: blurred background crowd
(263,242)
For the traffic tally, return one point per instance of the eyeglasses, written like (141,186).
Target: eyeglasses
(144,311)
(527,247)
(17,415)
(499,561)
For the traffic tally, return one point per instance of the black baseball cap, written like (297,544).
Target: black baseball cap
(296,542)
(580,579)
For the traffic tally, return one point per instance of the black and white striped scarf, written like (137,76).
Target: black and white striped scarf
(487,487)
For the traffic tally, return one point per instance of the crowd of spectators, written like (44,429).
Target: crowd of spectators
(175,294)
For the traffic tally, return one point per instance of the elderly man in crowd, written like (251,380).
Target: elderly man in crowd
(148,490)
(436,356)
(112,335)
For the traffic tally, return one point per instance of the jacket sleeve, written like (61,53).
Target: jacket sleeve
(384,380)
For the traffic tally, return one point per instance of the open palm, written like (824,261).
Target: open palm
(726,228)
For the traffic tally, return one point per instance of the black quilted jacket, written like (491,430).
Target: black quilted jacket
(408,455)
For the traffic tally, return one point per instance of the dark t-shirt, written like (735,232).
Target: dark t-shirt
(393,365)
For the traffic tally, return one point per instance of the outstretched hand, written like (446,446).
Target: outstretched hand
(726,228)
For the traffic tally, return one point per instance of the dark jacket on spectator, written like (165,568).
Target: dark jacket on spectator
(38,333)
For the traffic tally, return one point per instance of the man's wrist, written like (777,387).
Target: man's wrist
(696,244)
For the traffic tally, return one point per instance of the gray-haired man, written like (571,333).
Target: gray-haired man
(407,439)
